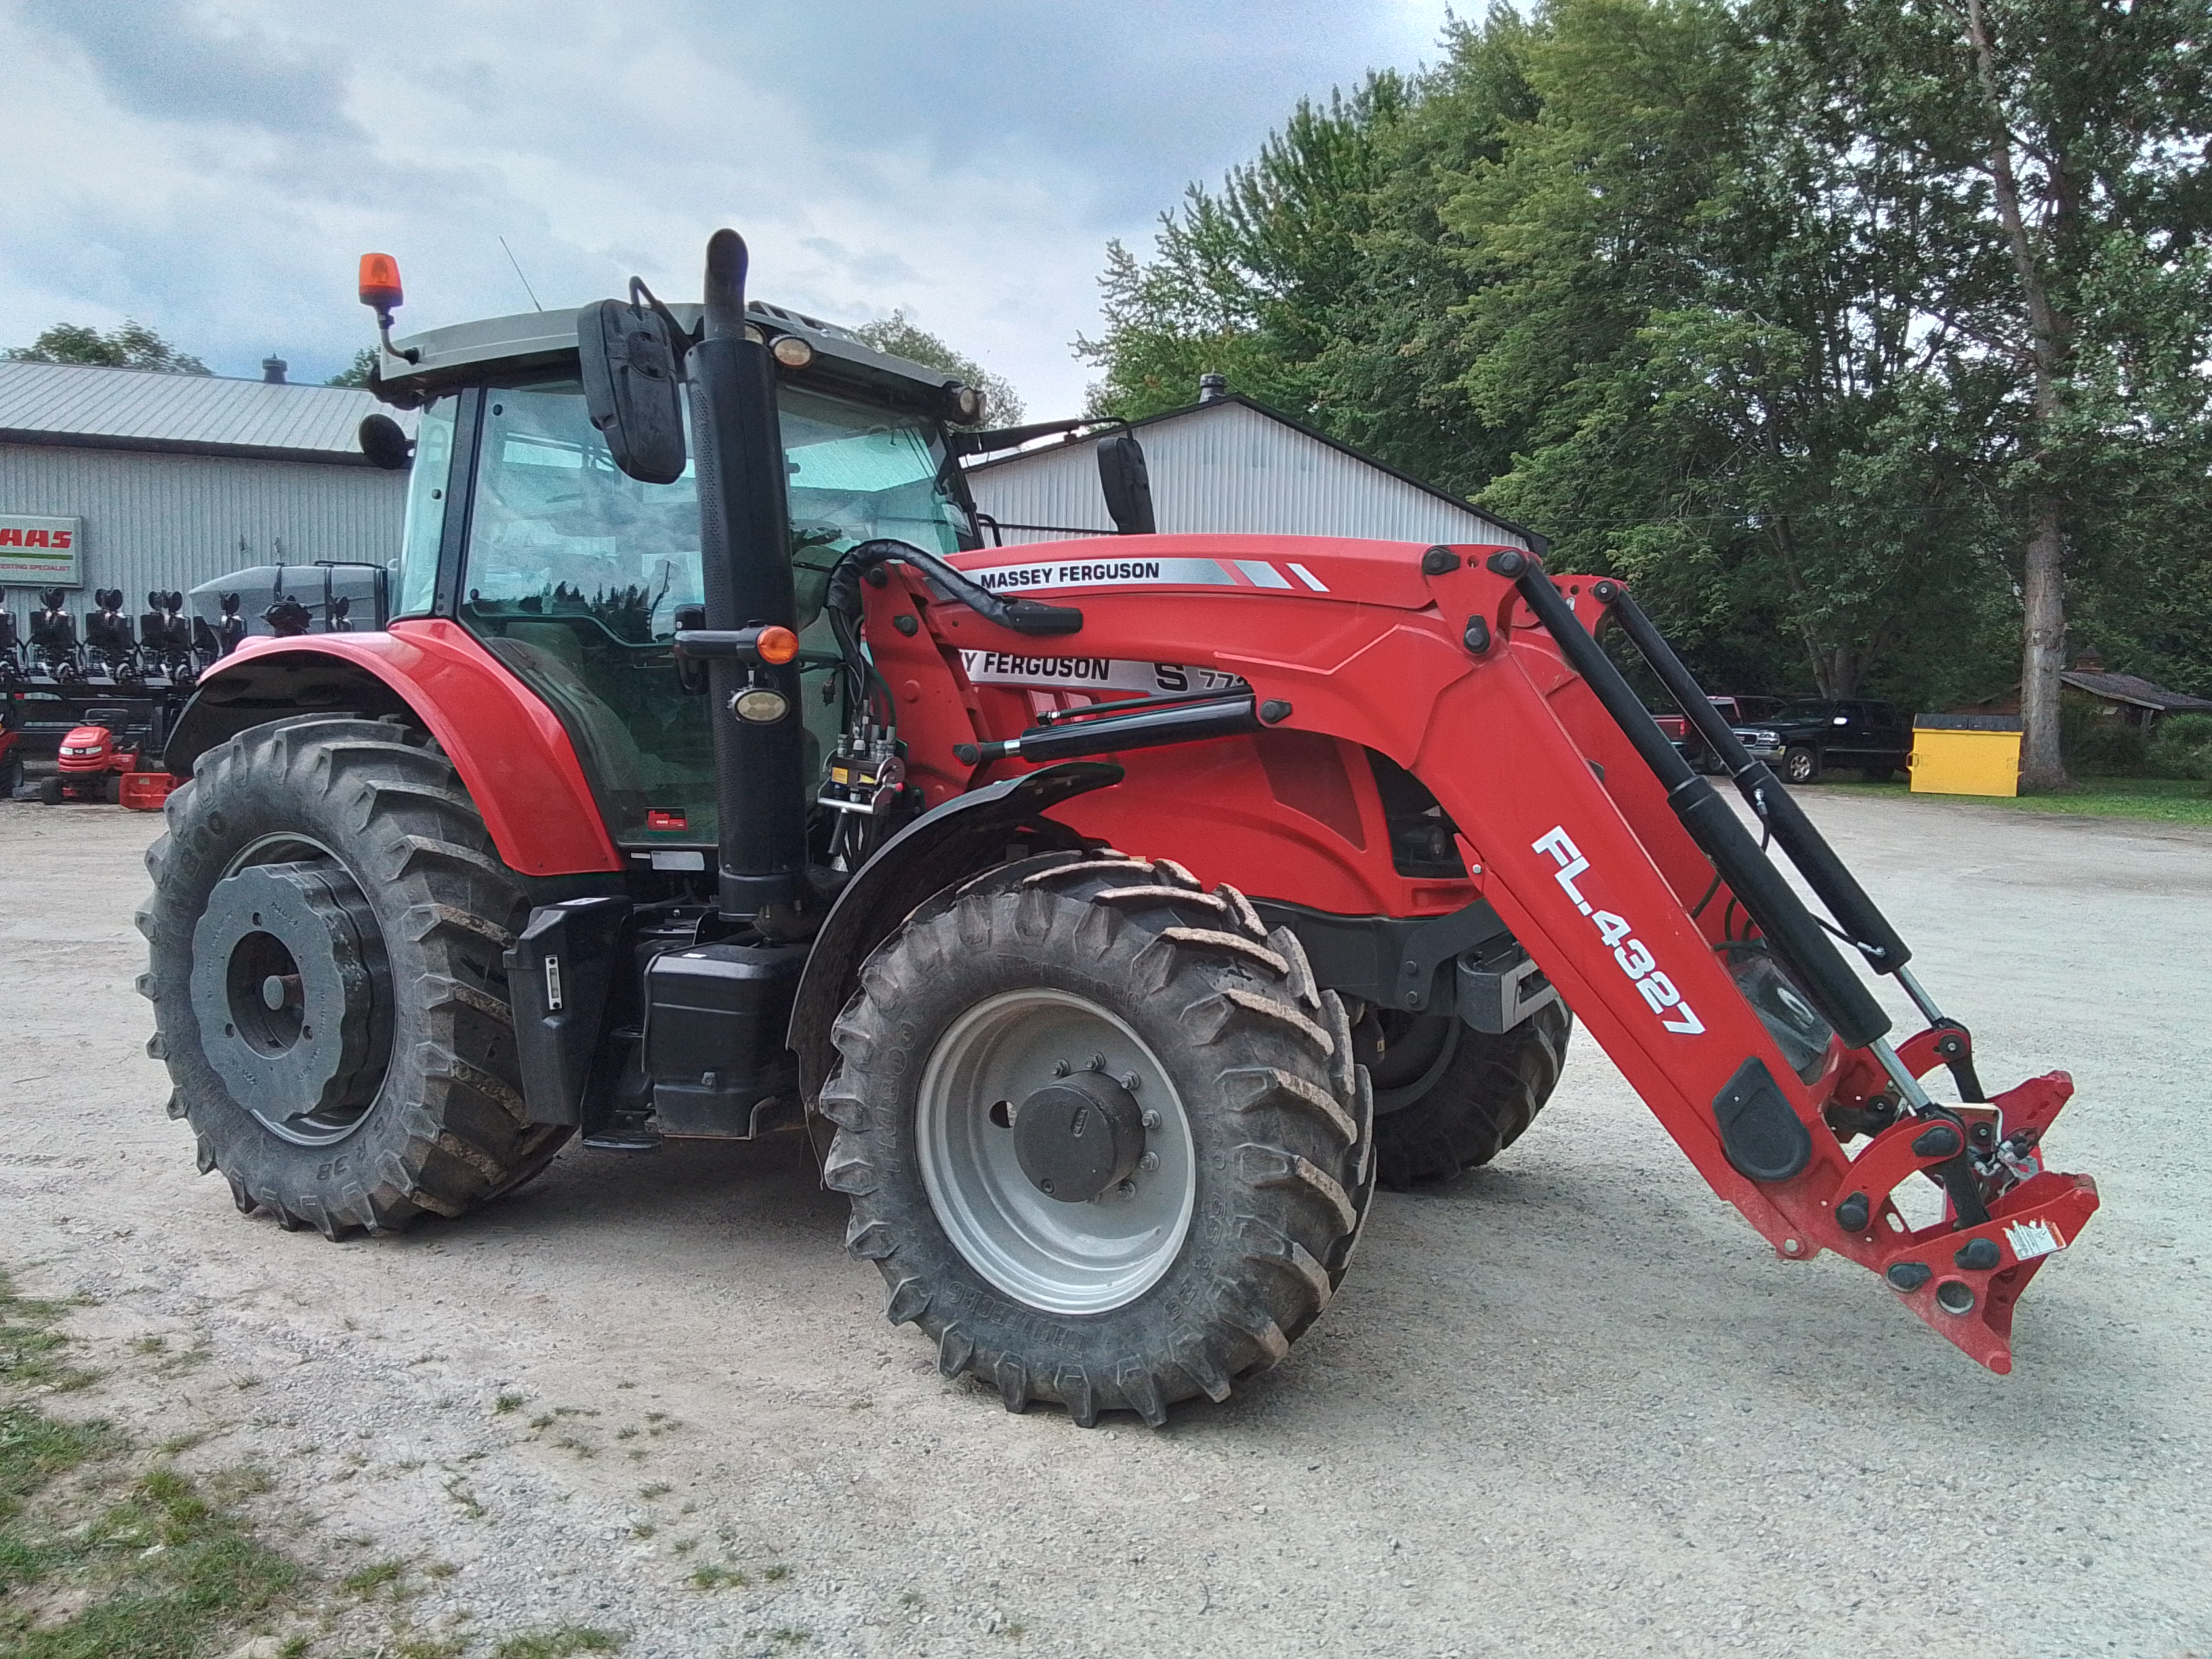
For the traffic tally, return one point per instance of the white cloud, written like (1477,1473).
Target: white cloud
(214,170)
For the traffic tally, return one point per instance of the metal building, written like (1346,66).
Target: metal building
(1226,464)
(166,481)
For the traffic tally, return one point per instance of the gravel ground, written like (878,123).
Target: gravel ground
(1569,1404)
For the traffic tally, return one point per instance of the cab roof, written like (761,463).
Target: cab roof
(534,342)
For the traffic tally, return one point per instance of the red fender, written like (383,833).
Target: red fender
(511,751)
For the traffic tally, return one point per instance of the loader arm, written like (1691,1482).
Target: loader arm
(1641,898)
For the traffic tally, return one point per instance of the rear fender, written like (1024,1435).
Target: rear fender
(513,754)
(968,834)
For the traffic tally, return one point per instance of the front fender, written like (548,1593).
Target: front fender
(966,834)
(511,751)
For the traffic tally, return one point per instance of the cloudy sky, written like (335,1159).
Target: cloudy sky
(212,167)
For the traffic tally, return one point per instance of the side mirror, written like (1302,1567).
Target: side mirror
(1128,487)
(631,389)
(386,447)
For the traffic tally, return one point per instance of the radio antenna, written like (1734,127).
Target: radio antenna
(517,264)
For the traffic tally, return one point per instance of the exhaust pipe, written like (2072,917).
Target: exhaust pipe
(744,550)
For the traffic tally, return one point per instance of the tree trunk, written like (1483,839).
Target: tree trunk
(2043,646)
(2042,764)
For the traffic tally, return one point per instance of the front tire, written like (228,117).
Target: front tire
(1800,763)
(1220,1088)
(1449,1098)
(324,941)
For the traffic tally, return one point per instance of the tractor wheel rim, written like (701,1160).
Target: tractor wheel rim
(1070,1258)
(291,991)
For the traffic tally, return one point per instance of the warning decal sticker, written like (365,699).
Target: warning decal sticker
(2030,1239)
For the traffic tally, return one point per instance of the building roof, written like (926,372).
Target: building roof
(1537,543)
(2133,688)
(88,406)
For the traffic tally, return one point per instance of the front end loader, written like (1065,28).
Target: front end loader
(1113,914)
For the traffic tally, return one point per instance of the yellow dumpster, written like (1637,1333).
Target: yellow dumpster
(1966,755)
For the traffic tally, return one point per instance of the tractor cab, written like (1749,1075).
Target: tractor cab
(522,528)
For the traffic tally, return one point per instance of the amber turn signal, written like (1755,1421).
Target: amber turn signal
(379,281)
(776,645)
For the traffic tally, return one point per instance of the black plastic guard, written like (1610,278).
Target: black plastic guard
(966,834)
(557,978)
(1762,1137)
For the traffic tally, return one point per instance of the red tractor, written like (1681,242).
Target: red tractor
(1114,912)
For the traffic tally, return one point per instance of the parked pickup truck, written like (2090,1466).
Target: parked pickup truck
(1804,738)
(1736,708)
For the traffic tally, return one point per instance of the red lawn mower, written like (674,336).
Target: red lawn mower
(100,762)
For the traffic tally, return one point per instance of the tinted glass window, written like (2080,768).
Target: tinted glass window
(426,484)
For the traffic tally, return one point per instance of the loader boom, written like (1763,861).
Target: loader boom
(1638,893)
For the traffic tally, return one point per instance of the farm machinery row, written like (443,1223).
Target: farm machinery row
(713,779)
(98,694)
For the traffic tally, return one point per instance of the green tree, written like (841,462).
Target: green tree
(357,372)
(2058,146)
(131,346)
(1248,281)
(900,338)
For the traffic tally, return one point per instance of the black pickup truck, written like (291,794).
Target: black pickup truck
(1803,739)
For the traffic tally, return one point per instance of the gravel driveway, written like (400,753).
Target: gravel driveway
(1569,1404)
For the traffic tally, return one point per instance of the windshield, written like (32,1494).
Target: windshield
(575,572)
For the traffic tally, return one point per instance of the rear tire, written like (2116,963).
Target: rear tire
(50,791)
(1259,1118)
(1800,763)
(337,849)
(1487,1091)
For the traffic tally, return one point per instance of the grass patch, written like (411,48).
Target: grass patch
(365,1581)
(564,1643)
(708,1578)
(166,1571)
(95,1563)
(507,1402)
(30,1347)
(2152,800)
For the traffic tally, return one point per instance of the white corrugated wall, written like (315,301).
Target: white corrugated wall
(173,521)
(1226,469)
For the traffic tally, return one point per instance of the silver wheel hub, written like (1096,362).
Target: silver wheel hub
(1056,1153)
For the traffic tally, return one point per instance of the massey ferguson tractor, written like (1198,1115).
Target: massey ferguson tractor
(1113,914)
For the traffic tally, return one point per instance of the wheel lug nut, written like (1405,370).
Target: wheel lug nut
(1150,1120)
(1128,1189)
(1131,1081)
(1097,1063)
(1061,1069)
(1149,1162)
